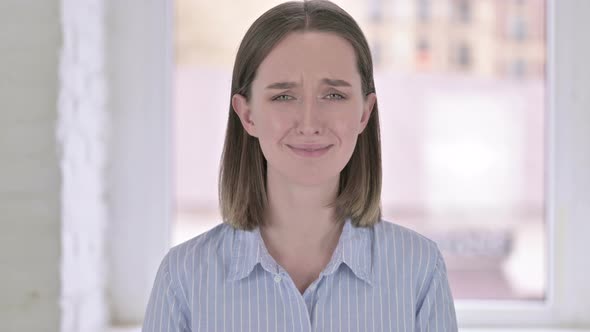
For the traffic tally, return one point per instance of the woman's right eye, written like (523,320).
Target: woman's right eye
(282,98)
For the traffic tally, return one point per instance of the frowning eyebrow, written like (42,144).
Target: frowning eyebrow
(282,85)
(330,82)
(326,81)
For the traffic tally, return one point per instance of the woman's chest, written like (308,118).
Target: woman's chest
(340,302)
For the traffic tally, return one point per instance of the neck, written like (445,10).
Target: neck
(298,217)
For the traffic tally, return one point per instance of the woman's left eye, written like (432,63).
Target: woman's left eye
(282,98)
(335,96)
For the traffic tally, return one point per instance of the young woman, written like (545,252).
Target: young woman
(302,246)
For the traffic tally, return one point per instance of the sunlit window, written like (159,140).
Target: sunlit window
(462,10)
(423,10)
(461,103)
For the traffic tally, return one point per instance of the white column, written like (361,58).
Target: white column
(140,64)
(83,137)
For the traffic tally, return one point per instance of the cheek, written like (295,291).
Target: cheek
(347,125)
(271,133)
(271,124)
(275,128)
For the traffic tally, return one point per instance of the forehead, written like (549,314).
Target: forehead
(310,55)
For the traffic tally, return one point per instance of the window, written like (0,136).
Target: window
(518,68)
(375,10)
(463,56)
(567,137)
(462,10)
(463,156)
(517,28)
(423,8)
(377,53)
(422,53)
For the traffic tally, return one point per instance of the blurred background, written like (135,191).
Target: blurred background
(113,113)
(461,92)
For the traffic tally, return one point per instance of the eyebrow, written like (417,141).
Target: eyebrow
(289,85)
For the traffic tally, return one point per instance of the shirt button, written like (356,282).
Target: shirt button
(278,278)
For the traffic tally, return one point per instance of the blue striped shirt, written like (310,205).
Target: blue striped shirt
(382,278)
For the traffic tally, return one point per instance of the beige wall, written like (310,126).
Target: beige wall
(30,239)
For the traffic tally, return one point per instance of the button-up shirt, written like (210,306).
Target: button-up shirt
(380,278)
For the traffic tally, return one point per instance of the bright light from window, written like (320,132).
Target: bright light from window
(462,127)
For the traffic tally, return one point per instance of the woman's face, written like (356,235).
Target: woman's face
(307,107)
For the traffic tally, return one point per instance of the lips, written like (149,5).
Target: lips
(310,150)
(309,147)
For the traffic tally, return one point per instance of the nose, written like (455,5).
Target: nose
(309,121)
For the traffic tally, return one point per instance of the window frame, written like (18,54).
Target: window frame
(565,149)
(567,156)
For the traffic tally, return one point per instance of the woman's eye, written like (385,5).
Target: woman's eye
(282,98)
(335,96)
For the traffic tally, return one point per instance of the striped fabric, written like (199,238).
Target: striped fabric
(383,278)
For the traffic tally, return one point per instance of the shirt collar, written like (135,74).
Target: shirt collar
(354,249)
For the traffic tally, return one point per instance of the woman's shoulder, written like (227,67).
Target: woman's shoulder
(395,239)
(401,233)
(203,243)
(211,248)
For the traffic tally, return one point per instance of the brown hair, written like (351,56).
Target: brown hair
(242,177)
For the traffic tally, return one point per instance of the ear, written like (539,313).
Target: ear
(368,105)
(242,109)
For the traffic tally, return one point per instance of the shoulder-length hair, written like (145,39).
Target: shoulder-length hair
(242,176)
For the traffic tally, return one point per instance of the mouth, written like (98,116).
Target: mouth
(311,150)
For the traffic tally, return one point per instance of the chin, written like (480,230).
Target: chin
(303,175)
(314,181)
